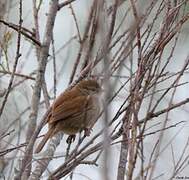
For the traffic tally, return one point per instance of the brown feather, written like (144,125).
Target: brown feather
(44,140)
(69,109)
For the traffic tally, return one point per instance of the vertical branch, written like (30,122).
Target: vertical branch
(3,8)
(37,90)
(82,43)
(76,22)
(36,23)
(37,37)
(54,66)
(16,60)
(135,13)
(91,38)
(106,35)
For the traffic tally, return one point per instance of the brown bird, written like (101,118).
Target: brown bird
(74,110)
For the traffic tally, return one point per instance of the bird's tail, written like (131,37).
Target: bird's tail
(44,140)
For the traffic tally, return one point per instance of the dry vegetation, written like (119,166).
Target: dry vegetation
(132,46)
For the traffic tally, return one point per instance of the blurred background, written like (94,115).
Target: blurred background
(163,149)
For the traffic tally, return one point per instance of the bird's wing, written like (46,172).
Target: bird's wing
(71,108)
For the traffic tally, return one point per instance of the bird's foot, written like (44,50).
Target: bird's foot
(87,132)
(70,139)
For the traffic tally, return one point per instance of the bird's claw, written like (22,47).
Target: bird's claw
(87,132)
(70,139)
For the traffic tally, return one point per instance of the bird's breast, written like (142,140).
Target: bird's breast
(93,112)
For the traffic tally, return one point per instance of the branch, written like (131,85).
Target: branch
(23,31)
(158,113)
(31,136)
(61,5)
(16,60)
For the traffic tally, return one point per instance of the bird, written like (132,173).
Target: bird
(75,110)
